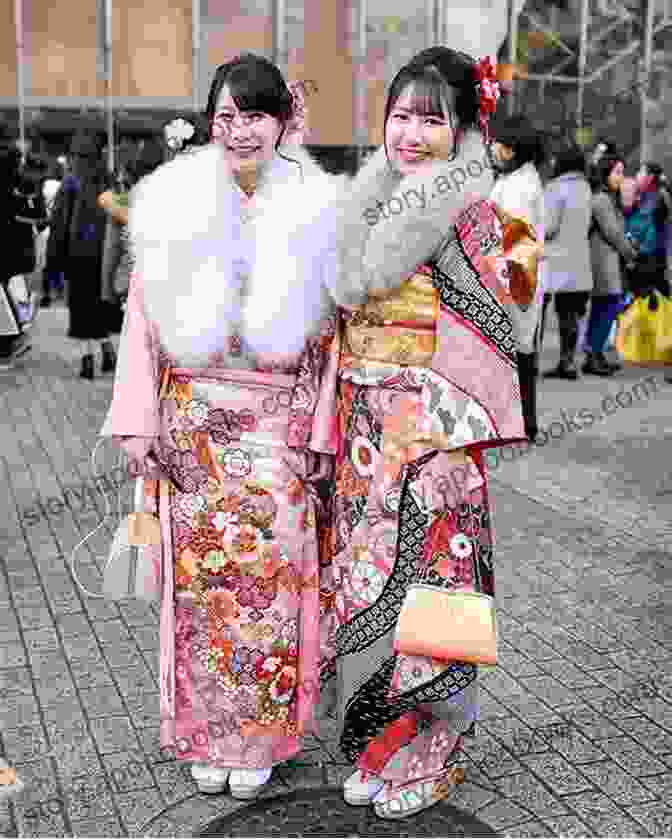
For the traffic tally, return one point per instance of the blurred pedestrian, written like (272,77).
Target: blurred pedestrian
(608,246)
(117,254)
(647,224)
(76,248)
(566,268)
(517,152)
(52,281)
(20,211)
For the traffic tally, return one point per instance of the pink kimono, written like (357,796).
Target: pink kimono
(240,606)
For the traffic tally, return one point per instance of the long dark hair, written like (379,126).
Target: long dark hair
(441,78)
(517,133)
(255,84)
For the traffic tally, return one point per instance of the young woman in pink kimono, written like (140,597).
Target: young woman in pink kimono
(219,367)
(426,380)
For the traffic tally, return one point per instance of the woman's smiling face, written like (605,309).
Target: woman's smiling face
(248,138)
(415,138)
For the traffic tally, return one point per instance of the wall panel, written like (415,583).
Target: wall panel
(63,49)
(152,48)
(7,49)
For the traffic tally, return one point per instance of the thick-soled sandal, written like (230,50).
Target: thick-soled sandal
(358,792)
(247,783)
(416,796)
(210,780)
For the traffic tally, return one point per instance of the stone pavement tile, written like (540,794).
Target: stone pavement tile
(73,626)
(90,673)
(146,637)
(500,685)
(102,701)
(548,689)
(25,743)
(527,791)
(593,724)
(557,773)
(611,778)
(198,810)
(175,782)
(88,796)
(646,732)
(128,771)
(503,814)
(137,808)
(76,759)
(517,665)
(163,826)
(656,709)
(582,655)
(568,826)
(608,820)
(19,711)
(578,749)
(114,734)
(569,674)
(618,680)
(101,609)
(66,709)
(657,819)
(151,746)
(82,647)
(633,757)
(535,648)
(143,709)
(15,681)
(111,632)
(137,614)
(661,785)
(124,654)
(529,706)
(533,829)
(53,690)
(12,655)
(110,826)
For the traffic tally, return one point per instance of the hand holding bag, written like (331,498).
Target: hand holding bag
(133,565)
(439,619)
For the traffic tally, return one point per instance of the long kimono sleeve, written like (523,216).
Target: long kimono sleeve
(134,410)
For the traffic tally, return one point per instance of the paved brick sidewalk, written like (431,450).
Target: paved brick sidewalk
(576,732)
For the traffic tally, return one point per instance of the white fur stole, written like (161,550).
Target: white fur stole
(194,253)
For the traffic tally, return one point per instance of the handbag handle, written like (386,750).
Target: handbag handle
(137,502)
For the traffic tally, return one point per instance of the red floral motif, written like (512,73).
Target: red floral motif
(489,92)
(440,533)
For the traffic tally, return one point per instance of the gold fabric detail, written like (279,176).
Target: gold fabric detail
(523,252)
(397,329)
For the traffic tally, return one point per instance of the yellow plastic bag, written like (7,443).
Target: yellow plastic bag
(644,336)
(664,330)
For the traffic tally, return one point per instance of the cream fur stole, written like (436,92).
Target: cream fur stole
(388,225)
(193,253)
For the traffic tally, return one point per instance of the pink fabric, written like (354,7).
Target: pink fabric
(134,410)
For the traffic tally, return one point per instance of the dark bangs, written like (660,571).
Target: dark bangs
(430,94)
(255,84)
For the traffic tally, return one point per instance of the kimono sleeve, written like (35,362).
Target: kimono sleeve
(134,411)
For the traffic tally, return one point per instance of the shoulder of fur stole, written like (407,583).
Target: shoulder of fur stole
(181,198)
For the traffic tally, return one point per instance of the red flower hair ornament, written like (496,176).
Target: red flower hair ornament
(489,91)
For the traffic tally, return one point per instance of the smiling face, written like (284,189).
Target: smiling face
(247,138)
(415,134)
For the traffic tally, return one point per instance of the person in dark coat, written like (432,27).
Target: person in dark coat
(76,248)
(20,210)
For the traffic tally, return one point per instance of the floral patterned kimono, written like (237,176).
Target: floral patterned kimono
(239,615)
(426,380)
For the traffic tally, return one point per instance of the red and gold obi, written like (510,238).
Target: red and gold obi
(397,329)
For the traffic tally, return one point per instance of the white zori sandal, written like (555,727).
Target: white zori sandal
(209,779)
(246,783)
(358,792)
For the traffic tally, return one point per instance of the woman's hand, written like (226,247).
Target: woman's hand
(137,450)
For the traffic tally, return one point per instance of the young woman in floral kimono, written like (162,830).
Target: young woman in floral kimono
(426,380)
(219,366)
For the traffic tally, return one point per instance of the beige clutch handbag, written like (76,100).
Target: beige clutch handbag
(447,625)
